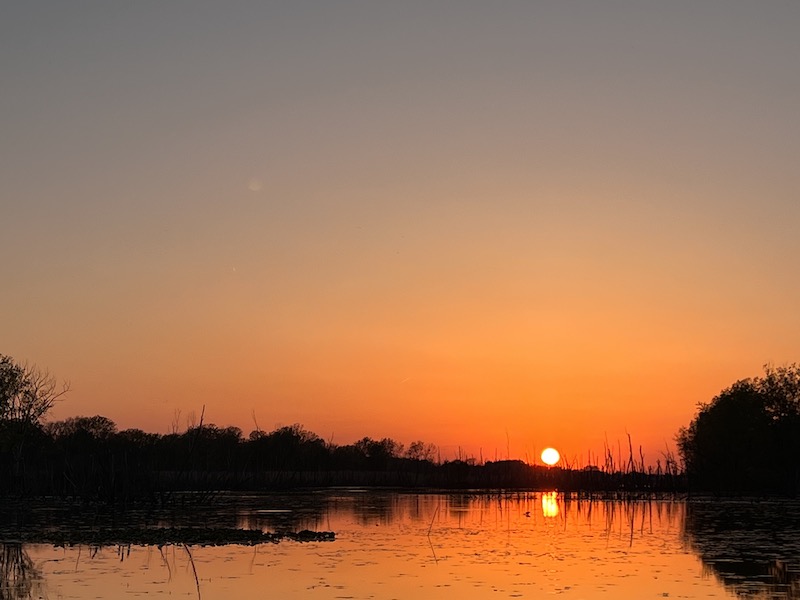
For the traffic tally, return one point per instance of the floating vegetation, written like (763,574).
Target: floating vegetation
(163,536)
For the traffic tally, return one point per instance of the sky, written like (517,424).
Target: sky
(490,226)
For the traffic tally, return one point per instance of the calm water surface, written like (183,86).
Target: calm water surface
(419,546)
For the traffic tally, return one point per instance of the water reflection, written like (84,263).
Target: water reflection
(19,577)
(752,546)
(550,504)
(456,545)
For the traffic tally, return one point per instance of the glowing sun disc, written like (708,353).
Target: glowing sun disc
(550,456)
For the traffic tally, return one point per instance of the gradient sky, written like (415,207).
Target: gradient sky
(490,225)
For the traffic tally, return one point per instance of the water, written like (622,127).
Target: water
(397,545)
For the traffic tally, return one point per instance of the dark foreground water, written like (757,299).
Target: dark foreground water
(419,546)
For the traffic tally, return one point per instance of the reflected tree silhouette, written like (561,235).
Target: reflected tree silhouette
(752,547)
(19,577)
(283,513)
(373,509)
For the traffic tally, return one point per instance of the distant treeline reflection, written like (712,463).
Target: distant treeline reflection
(89,457)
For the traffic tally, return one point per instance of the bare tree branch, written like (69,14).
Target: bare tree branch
(27,392)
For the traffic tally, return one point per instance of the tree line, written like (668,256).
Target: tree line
(88,457)
(745,440)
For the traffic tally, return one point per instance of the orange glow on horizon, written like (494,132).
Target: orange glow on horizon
(522,265)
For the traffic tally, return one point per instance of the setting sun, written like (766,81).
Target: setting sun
(550,456)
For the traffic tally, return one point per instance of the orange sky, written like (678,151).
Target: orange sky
(498,229)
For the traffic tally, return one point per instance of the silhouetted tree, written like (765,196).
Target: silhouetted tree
(27,393)
(290,447)
(94,428)
(748,436)
(136,438)
(379,454)
(419,450)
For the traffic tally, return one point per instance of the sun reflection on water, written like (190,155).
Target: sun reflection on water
(450,546)
(550,504)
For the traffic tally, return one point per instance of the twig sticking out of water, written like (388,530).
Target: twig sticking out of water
(436,512)
(166,563)
(194,570)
